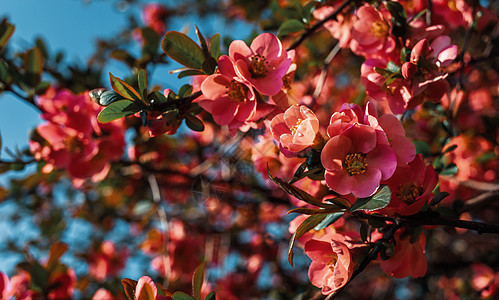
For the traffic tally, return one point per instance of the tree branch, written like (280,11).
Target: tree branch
(319,24)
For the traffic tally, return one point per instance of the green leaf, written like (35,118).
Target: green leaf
(6,31)
(129,286)
(182,49)
(190,72)
(124,89)
(450,169)
(4,73)
(210,296)
(340,201)
(181,296)
(108,97)
(116,110)
(313,211)
(124,56)
(185,90)
(378,201)
(158,97)
(197,281)
(215,46)
(151,42)
(294,191)
(290,26)
(33,64)
(328,220)
(194,123)
(304,227)
(392,67)
(142,79)
(42,87)
(422,147)
(39,276)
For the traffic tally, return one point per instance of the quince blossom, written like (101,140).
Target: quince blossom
(409,258)
(331,265)
(296,128)
(263,64)
(358,155)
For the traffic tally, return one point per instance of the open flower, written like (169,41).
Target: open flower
(263,64)
(230,99)
(411,187)
(296,128)
(371,34)
(409,258)
(331,265)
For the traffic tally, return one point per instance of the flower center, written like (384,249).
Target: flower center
(409,192)
(355,163)
(332,262)
(379,29)
(236,91)
(258,68)
(295,127)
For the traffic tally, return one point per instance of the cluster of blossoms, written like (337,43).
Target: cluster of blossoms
(73,140)
(363,168)
(232,95)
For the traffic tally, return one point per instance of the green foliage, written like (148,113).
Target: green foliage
(6,31)
(379,200)
(197,281)
(290,26)
(182,49)
(117,110)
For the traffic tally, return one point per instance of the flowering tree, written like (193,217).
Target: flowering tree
(345,145)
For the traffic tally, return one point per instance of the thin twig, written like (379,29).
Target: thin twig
(163,220)
(323,75)
(319,24)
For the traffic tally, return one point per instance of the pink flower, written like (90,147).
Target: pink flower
(331,265)
(412,186)
(340,28)
(106,261)
(229,98)
(103,294)
(355,163)
(146,289)
(154,15)
(72,139)
(371,33)
(397,92)
(296,128)
(263,64)
(358,155)
(401,145)
(409,258)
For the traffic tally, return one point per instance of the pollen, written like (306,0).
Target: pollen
(409,192)
(295,127)
(355,163)
(332,262)
(236,91)
(258,66)
(379,29)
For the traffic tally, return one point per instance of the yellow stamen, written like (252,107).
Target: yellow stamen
(409,192)
(379,29)
(355,163)
(236,91)
(258,68)
(295,127)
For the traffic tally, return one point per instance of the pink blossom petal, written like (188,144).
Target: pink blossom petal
(334,152)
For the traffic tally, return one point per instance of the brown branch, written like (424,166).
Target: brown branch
(319,24)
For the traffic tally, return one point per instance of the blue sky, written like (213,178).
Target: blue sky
(72,26)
